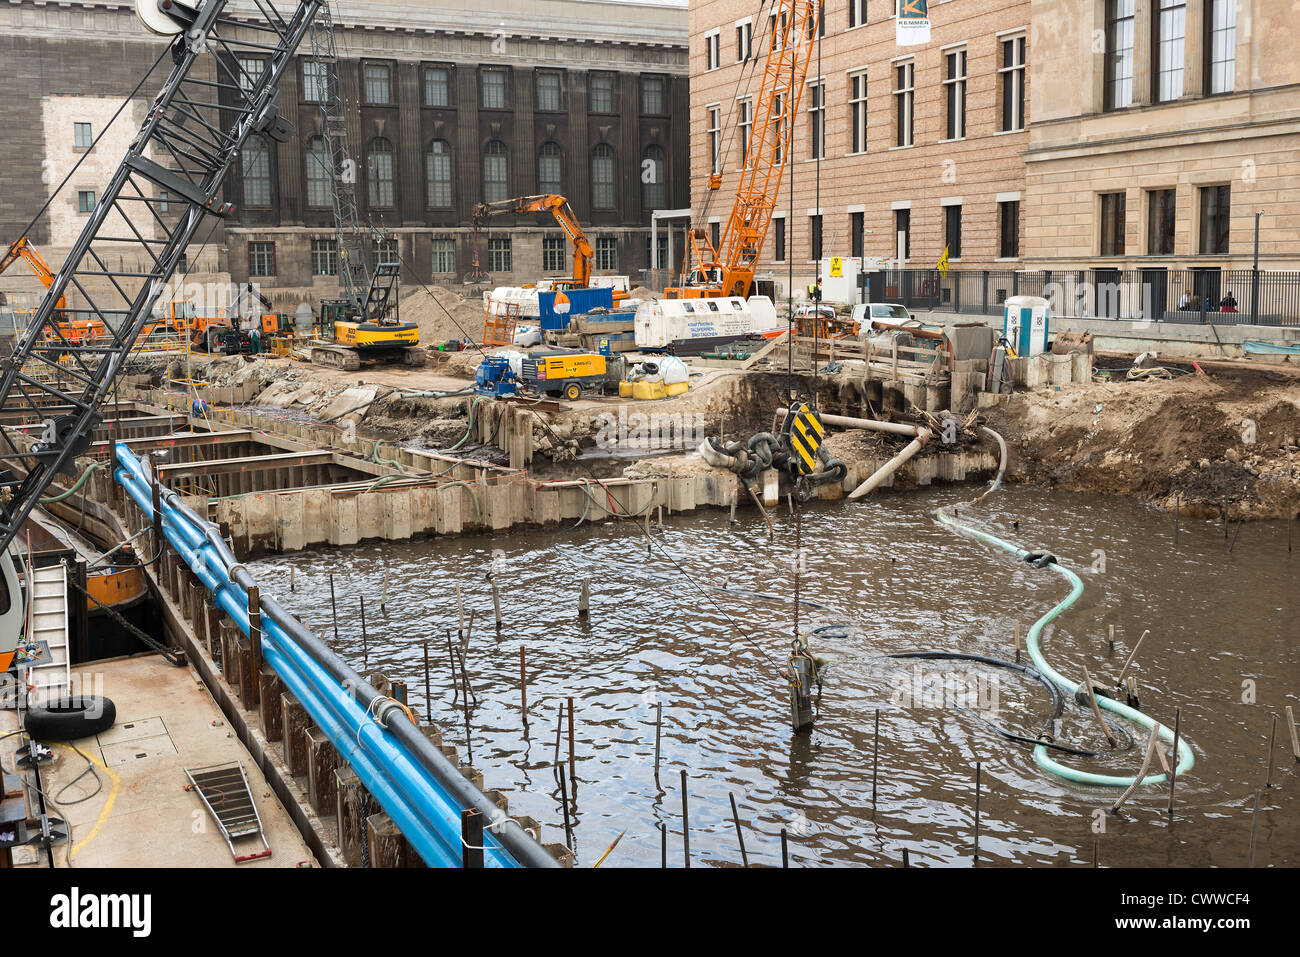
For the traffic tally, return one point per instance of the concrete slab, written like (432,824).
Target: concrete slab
(142,815)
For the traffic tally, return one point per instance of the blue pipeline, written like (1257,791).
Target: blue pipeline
(423,806)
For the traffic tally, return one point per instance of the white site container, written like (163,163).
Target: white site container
(525,297)
(1026,322)
(661,322)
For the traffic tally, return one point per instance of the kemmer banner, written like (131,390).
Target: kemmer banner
(913,23)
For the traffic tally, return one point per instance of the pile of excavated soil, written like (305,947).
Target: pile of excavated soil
(443,314)
(1227,443)
(643,292)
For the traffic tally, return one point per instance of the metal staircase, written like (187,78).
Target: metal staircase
(48,619)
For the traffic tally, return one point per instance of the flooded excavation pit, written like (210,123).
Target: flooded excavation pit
(679,666)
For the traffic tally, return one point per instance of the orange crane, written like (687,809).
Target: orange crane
(74,330)
(729,269)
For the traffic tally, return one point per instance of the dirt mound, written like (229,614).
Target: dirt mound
(442,314)
(643,292)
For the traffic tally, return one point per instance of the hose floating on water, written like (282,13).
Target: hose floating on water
(1042,758)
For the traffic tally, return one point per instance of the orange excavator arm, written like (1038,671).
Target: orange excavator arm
(557,206)
(23,249)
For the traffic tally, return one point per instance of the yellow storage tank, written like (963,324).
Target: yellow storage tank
(677,388)
(648,390)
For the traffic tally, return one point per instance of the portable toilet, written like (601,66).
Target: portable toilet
(1025,322)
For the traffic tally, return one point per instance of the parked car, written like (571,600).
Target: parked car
(885,311)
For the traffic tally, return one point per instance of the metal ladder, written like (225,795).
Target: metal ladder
(48,616)
(224,791)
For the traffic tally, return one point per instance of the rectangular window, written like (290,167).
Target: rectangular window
(715,228)
(954,89)
(715,139)
(553,255)
(1216,203)
(1221,45)
(778,120)
(815,237)
(492,88)
(904,93)
(81,137)
(549,99)
(1171,37)
(858,112)
(315,81)
(817,120)
(85,200)
(952,231)
(857,13)
(377,85)
(386,252)
(652,95)
(606,252)
(444,257)
(1160,222)
(601,92)
(903,224)
(744,40)
(745,125)
(712,50)
(255,165)
(1112,224)
(324,257)
(250,73)
(857,235)
(499,259)
(1009,229)
(1119,54)
(1012,74)
(261,259)
(778,227)
(437,86)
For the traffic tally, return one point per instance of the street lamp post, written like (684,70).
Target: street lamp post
(1254,275)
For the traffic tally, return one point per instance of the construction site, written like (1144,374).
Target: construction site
(591,569)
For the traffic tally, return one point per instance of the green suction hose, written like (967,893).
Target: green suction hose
(62,496)
(1042,757)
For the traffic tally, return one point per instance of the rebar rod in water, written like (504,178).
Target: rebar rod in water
(334,611)
(365,641)
(875,763)
(1272,737)
(686,823)
(573,773)
(428,695)
(1254,830)
(1173,772)
(977,810)
(659,725)
(740,835)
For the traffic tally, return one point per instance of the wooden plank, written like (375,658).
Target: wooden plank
(252,463)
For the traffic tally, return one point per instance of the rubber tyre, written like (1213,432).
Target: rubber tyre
(572,390)
(67,719)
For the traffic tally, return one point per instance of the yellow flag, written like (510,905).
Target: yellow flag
(942,264)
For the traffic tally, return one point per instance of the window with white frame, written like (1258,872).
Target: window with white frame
(324,257)
(444,256)
(549,99)
(499,257)
(904,101)
(778,127)
(954,90)
(715,139)
(1119,54)
(251,70)
(1011,74)
(606,252)
(744,40)
(553,254)
(745,126)
(492,88)
(437,86)
(1221,48)
(1171,39)
(315,81)
(858,112)
(713,50)
(857,13)
(378,85)
(817,120)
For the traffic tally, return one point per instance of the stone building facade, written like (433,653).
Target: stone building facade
(446,104)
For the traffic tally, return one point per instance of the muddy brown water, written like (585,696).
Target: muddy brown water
(691,633)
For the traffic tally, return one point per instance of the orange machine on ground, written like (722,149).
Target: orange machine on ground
(72,327)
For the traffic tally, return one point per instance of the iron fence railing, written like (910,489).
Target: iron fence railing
(1155,294)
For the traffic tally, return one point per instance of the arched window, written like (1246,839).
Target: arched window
(653,170)
(320,173)
(437,175)
(496,172)
(255,164)
(550,169)
(379,172)
(602,177)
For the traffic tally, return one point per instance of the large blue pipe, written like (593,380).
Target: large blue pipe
(411,780)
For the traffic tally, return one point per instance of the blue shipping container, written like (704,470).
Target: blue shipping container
(580,301)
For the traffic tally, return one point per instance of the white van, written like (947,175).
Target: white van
(885,311)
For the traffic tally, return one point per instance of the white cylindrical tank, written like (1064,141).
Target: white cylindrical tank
(662,322)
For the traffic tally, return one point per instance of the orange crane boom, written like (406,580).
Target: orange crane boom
(729,269)
(557,206)
(23,249)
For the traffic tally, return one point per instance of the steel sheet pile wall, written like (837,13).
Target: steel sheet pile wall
(413,782)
